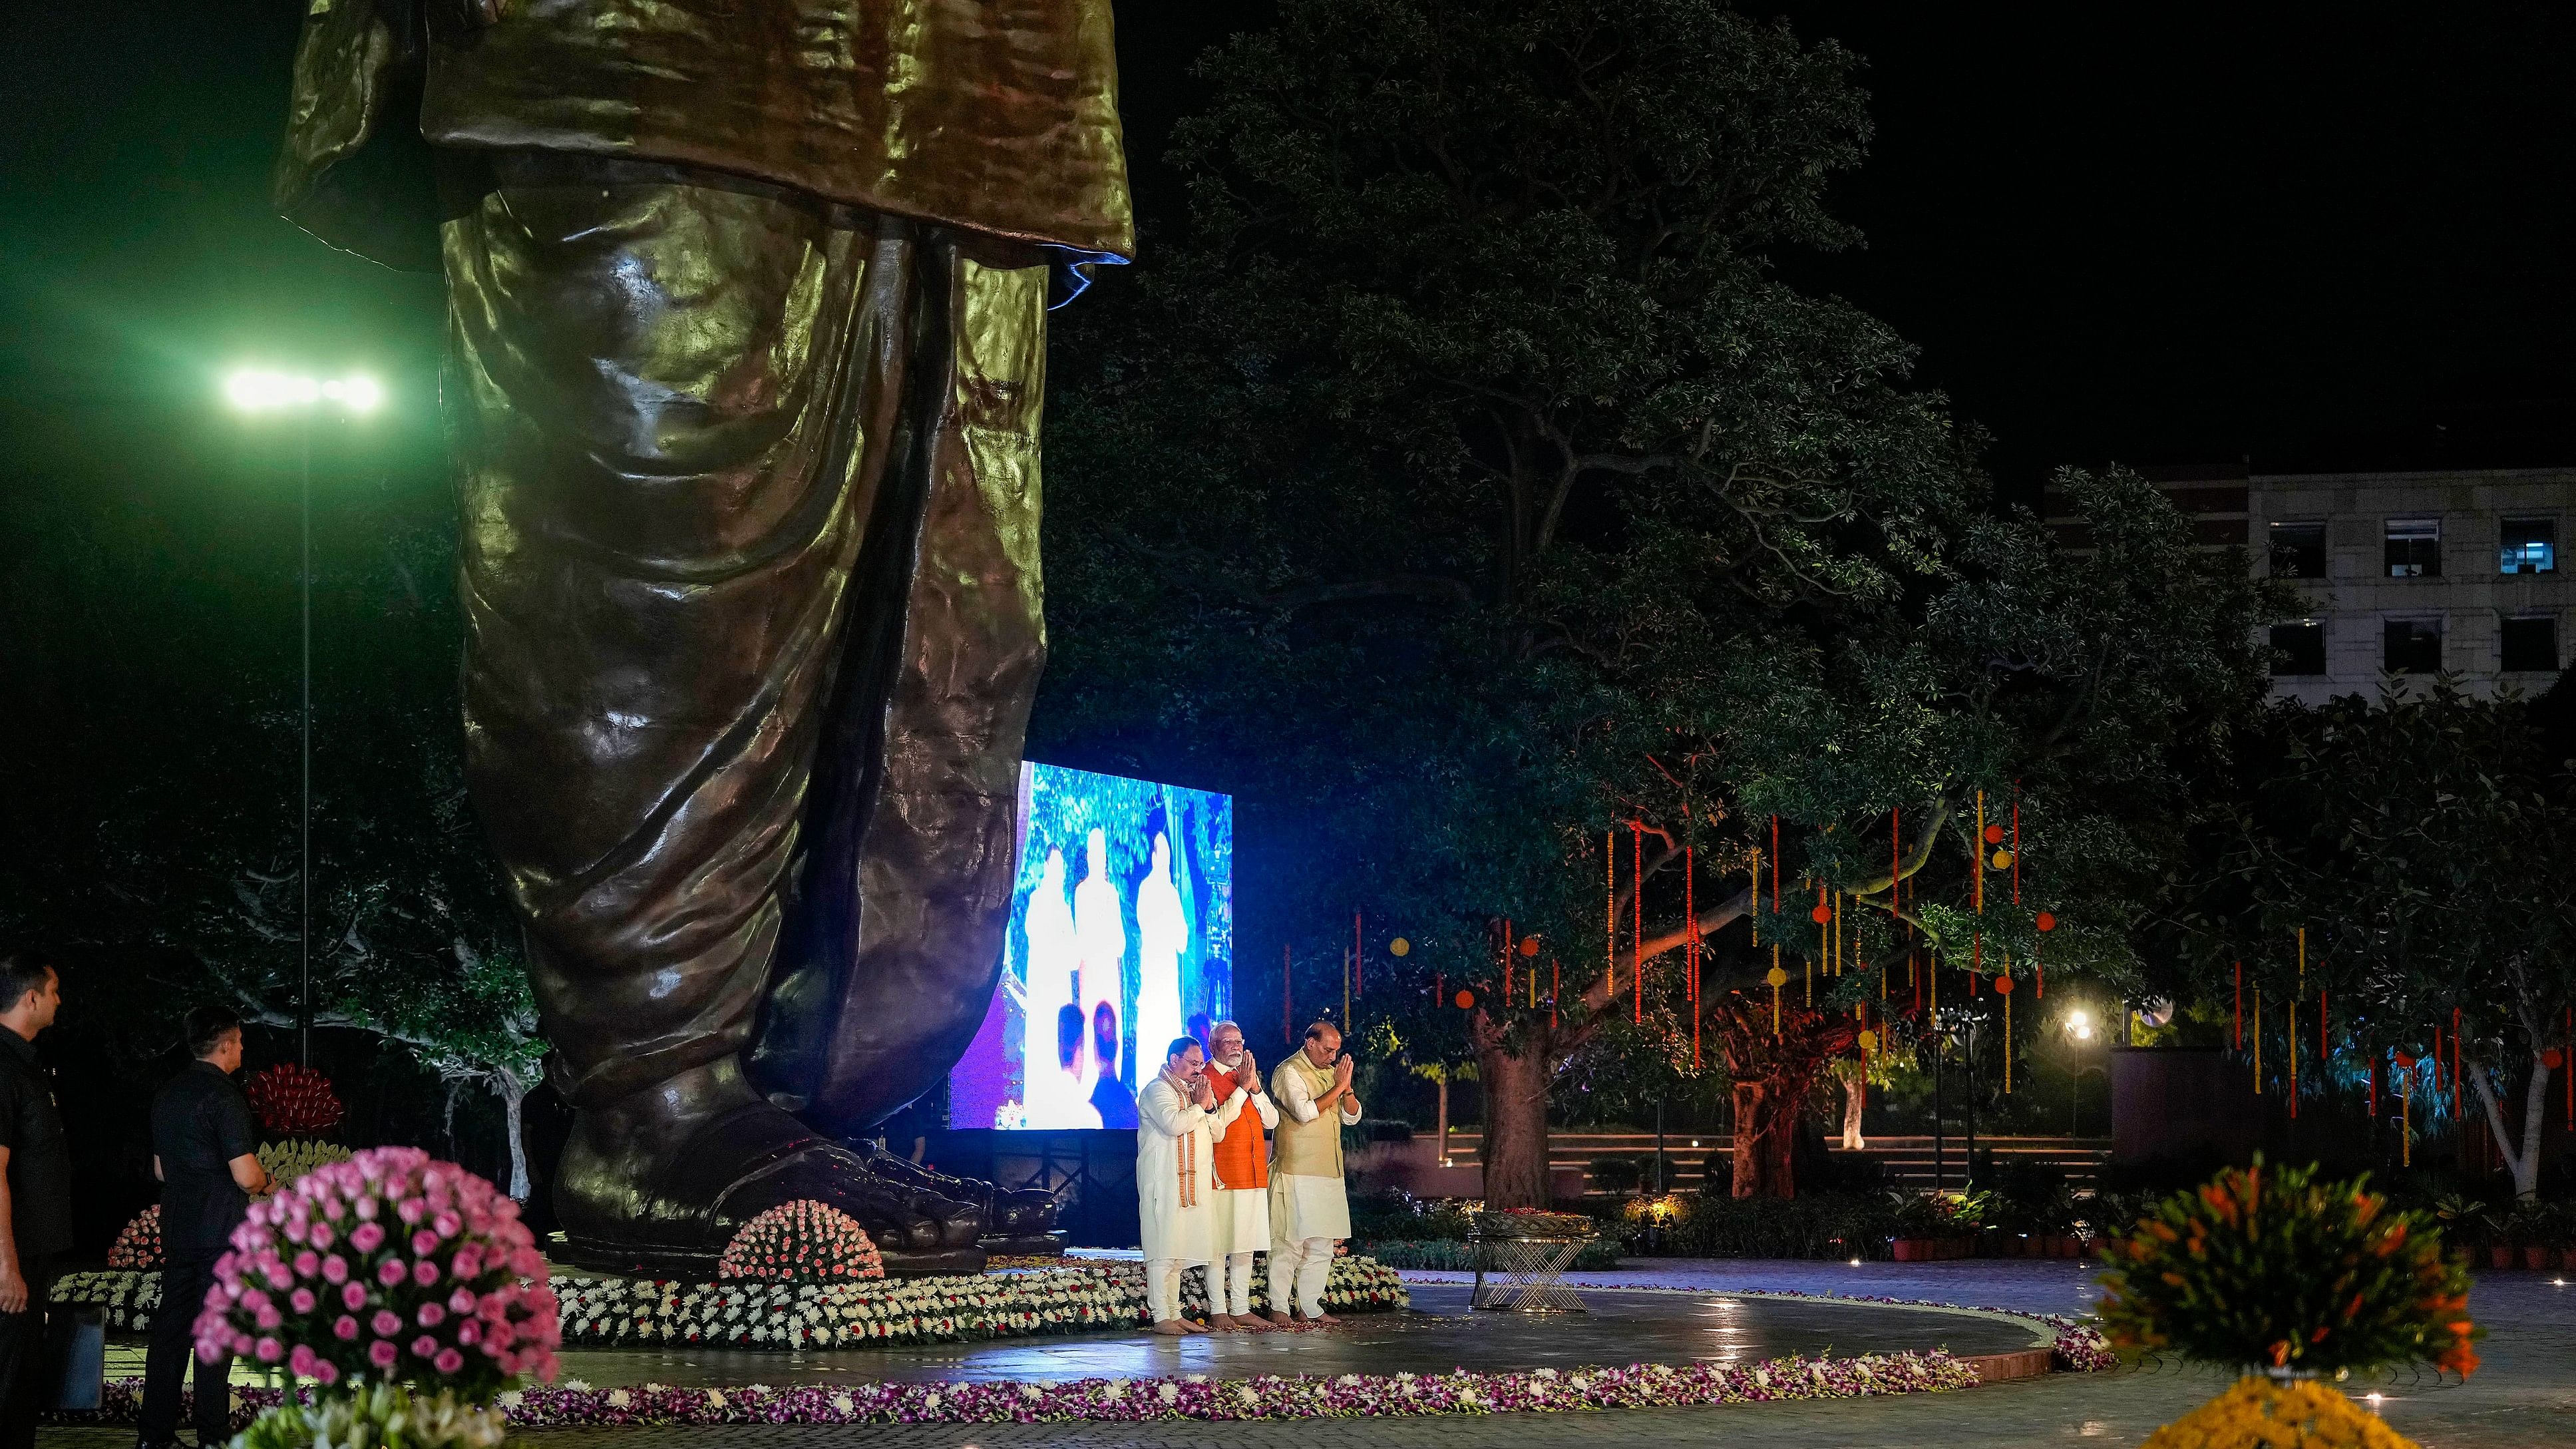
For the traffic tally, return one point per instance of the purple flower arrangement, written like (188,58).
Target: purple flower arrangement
(802,1242)
(1198,1396)
(389,1267)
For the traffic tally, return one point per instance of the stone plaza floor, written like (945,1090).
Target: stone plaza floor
(2524,1396)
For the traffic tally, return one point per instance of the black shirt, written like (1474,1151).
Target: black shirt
(200,1123)
(40,1160)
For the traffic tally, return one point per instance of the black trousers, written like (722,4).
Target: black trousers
(165,1364)
(25,1369)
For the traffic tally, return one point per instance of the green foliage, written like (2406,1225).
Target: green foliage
(2427,843)
(1615,1174)
(375,1416)
(1811,1225)
(1457,1256)
(2270,1267)
(1462,461)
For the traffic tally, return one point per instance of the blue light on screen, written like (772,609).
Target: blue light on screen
(1121,938)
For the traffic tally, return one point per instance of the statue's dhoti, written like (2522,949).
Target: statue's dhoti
(749,487)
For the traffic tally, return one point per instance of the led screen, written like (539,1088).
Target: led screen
(1121,938)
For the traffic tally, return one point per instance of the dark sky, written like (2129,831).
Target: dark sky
(2319,236)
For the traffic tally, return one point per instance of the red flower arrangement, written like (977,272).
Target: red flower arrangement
(139,1247)
(802,1241)
(294,1101)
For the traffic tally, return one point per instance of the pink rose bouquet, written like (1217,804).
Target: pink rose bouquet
(803,1242)
(389,1267)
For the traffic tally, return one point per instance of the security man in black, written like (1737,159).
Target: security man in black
(35,1192)
(206,1149)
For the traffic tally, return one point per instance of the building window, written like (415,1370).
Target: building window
(2530,547)
(2298,550)
(2531,646)
(2414,548)
(2298,650)
(2411,646)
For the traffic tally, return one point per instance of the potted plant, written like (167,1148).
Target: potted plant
(2300,1283)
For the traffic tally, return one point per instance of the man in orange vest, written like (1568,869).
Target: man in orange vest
(1242,1220)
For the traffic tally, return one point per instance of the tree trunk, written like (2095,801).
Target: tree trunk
(2523,1163)
(1766,1129)
(1855,1097)
(1515,1146)
(513,1093)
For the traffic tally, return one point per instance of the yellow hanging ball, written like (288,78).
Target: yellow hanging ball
(2003,860)
(1869,1041)
(1399,947)
(1777,977)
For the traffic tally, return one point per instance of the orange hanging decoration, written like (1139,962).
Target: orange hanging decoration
(1555,987)
(1507,960)
(2016,842)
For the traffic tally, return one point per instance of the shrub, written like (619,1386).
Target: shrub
(138,1247)
(802,1242)
(2269,1266)
(1443,1253)
(1817,1225)
(293,1101)
(1615,1174)
(389,1267)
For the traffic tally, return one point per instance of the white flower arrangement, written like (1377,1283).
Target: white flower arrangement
(628,1312)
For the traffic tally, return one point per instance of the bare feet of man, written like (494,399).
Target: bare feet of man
(1175,1327)
(1281,1320)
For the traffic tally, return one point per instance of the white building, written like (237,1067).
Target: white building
(2402,573)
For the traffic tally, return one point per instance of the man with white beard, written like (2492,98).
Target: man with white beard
(1177,1118)
(1241,1226)
(1310,1210)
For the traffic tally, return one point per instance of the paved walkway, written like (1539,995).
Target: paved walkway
(2525,1397)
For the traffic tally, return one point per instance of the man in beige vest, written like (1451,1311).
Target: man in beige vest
(1310,1211)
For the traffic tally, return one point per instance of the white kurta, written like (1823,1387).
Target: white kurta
(1176,1170)
(1303,1207)
(1242,1222)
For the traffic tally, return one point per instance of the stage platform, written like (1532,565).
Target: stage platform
(1438,1334)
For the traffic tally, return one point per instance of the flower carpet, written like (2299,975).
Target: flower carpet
(1098,1297)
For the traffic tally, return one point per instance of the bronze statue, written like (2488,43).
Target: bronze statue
(746,352)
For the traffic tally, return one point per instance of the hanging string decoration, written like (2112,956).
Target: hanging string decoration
(1690,948)
(1610,908)
(2046,923)
(2015,852)
(2004,988)
(1777,979)
(2406,1108)
(1637,917)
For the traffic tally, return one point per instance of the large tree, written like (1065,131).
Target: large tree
(2425,842)
(1464,486)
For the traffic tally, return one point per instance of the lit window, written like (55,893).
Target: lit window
(2298,550)
(2531,646)
(2411,646)
(2298,650)
(2414,548)
(2530,546)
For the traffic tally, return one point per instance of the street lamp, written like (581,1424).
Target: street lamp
(2079,1030)
(258,391)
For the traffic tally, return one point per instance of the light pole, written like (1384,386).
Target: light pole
(2079,1031)
(257,391)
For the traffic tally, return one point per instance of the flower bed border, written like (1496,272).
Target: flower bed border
(2077,1348)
